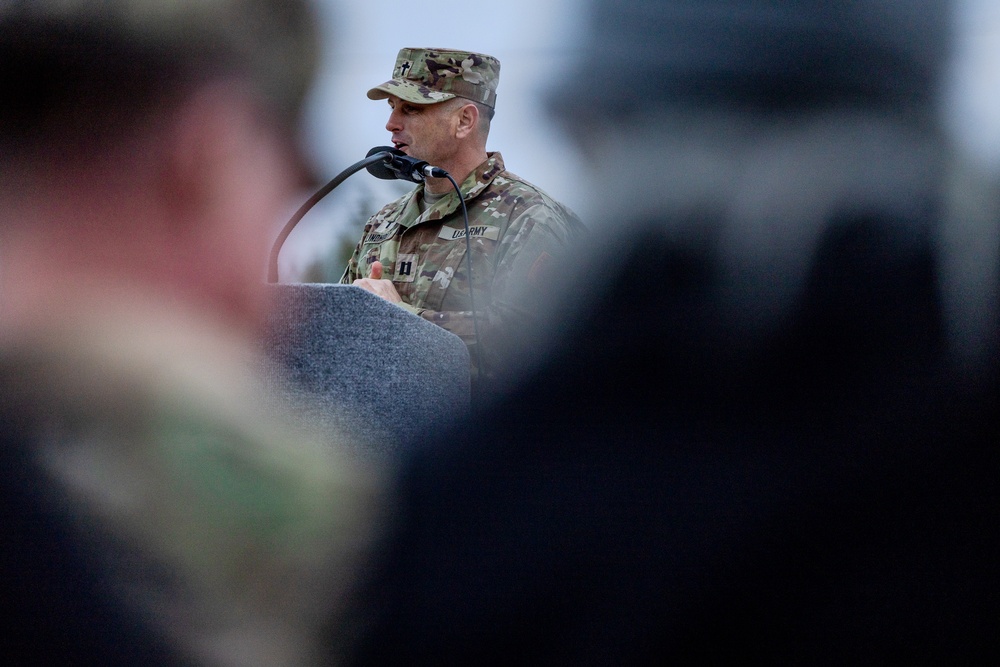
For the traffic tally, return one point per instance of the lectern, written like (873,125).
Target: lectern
(350,360)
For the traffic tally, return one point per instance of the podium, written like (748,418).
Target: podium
(363,367)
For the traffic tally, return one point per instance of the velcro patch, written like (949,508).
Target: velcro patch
(406,268)
(382,233)
(491,232)
(540,270)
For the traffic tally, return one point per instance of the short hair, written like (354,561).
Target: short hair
(65,64)
(486,114)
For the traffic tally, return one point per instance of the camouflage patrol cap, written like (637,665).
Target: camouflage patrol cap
(429,76)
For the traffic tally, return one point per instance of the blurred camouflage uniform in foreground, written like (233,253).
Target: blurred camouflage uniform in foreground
(229,531)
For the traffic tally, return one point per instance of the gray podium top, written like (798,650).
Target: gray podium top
(363,366)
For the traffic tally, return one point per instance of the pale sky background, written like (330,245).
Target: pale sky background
(973,108)
(536,42)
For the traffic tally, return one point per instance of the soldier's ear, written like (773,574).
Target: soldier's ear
(468,120)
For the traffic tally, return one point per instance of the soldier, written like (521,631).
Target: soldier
(413,251)
(156,508)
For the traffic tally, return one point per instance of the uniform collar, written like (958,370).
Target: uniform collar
(480,178)
(482,175)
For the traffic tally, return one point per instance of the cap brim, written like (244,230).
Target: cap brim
(409,91)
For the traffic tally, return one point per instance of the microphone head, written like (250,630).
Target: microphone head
(381,169)
(396,165)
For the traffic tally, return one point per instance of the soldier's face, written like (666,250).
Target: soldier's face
(424,131)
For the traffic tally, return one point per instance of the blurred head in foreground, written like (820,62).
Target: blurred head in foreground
(749,129)
(147,146)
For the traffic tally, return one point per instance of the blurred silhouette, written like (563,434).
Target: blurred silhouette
(750,441)
(155,509)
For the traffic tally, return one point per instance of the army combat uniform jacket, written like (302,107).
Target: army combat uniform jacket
(517,233)
(205,516)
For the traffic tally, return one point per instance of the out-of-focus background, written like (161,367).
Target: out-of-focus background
(537,44)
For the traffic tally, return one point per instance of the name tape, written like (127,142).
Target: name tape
(478,232)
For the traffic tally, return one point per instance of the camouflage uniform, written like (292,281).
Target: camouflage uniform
(429,76)
(517,232)
(231,531)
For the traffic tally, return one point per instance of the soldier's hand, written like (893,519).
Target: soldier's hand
(376,285)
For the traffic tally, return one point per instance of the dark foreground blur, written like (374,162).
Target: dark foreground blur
(753,438)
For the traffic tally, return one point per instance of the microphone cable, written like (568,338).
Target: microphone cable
(468,255)
(398,165)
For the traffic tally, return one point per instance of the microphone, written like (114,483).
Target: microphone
(383,162)
(399,165)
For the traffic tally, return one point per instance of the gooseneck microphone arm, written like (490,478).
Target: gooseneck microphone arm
(272,269)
